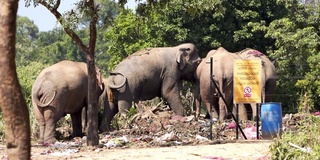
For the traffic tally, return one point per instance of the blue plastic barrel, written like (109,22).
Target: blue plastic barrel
(271,120)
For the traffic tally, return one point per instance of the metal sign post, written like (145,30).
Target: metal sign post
(211,95)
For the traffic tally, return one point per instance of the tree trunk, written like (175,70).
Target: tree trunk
(93,109)
(92,113)
(13,105)
(92,130)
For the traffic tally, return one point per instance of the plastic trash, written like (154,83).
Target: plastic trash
(117,142)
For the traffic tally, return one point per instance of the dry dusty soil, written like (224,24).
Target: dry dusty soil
(237,150)
(159,135)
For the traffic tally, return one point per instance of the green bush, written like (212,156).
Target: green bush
(306,136)
(27,75)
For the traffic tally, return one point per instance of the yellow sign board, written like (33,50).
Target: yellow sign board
(247,81)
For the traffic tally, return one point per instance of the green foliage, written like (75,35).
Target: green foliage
(127,35)
(306,136)
(296,53)
(55,46)
(27,75)
(27,33)
(286,31)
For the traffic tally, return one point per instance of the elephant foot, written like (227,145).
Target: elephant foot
(49,141)
(40,141)
(255,118)
(77,134)
(105,126)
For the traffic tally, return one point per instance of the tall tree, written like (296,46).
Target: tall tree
(13,105)
(286,31)
(296,51)
(27,34)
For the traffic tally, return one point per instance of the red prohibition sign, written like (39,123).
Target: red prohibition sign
(247,90)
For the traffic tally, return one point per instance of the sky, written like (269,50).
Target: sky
(44,19)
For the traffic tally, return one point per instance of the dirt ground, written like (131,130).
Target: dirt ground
(159,135)
(236,150)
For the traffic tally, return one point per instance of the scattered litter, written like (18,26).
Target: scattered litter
(189,118)
(60,144)
(316,113)
(46,152)
(98,150)
(178,142)
(216,158)
(232,125)
(178,118)
(117,142)
(264,158)
(167,137)
(65,152)
(251,132)
(200,138)
(214,120)
(306,150)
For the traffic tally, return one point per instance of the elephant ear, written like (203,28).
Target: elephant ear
(181,57)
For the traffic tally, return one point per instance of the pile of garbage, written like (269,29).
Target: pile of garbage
(151,128)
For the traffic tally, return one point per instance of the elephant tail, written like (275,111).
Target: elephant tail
(36,99)
(116,84)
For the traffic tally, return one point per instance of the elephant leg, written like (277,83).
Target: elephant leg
(84,120)
(229,106)
(215,109)
(50,122)
(171,94)
(51,116)
(76,123)
(197,101)
(41,122)
(42,131)
(222,110)
(242,112)
(124,107)
(110,110)
(254,111)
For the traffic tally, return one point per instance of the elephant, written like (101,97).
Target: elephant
(59,90)
(150,73)
(268,81)
(222,69)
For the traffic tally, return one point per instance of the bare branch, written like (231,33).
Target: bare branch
(56,6)
(93,25)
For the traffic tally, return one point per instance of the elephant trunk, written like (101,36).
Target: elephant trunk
(112,82)
(40,104)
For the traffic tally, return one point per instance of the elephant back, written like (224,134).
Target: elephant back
(249,53)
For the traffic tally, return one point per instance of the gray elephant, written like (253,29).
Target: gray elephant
(222,70)
(150,73)
(268,80)
(58,90)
